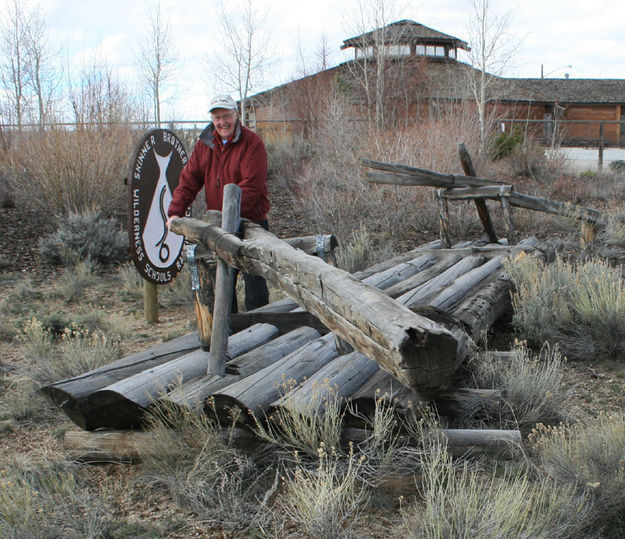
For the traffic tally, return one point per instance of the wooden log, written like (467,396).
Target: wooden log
(339,379)
(403,175)
(195,394)
(131,445)
(418,352)
(69,394)
(423,293)
(480,205)
(320,245)
(480,310)
(398,259)
(457,403)
(422,277)
(252,396)
(459,441)
(122,404)
(224,285)
(285,322)
(269,353)
(476,193)
(464,284)
(387,278)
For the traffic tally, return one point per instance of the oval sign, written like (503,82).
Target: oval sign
(156,252)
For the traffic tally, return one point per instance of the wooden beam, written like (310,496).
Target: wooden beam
(224,285)
(418,352)
(480,205)
(402,175)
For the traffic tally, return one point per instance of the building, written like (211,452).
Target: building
(407,71)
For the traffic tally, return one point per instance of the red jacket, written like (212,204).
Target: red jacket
(212,165)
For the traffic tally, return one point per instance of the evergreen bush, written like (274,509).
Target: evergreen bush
(85,236)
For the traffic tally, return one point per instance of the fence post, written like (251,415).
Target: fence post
(224,284)
(601,146)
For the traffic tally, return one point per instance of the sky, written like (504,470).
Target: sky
(581,38)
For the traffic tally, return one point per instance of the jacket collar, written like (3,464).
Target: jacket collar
(209,135)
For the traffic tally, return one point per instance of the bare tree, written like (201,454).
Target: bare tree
(98,98)
(43,77)
(13,70)
(241,64)
(372,66)
(157,58)
(492,50)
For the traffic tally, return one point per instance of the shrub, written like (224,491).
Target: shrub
(74,171)
(618,166)
(581,307)
(51,500)
(531,386)
(470,503)
(190,459)
(85,236)
(591,459)
(325,501)
(503,144)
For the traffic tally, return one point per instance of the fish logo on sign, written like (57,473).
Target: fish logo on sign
(160,244)
(156,252)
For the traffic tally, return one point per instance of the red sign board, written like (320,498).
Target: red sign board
(156,252)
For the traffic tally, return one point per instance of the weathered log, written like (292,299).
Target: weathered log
(251,396)
(404,175)
(130,445)
(339,379)
(418,352)
(422,277)
(385,279)
(480,205)
(194,394)
(471,193)
(423,293)
(398,259)
(224,285)
(204,301)
(269,353)
(69,394)
(285,322)
(459,441)
(122,404)
(462,286)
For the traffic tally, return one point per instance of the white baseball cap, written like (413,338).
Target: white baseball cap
(222,102)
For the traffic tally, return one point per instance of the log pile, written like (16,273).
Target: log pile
(273,364)
(397,331)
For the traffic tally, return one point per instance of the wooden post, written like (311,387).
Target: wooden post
(204,299)
(601,146)
(504,196)
(224,285)
(443,217)
(150,301)
(480,205)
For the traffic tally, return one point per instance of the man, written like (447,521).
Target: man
(228,152)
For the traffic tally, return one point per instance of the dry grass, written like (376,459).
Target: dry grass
(531,385)
(581,307)
(589,458)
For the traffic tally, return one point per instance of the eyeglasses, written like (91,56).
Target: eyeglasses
(224,116)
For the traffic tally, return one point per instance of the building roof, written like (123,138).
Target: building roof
(405,32)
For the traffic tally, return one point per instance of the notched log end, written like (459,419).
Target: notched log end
(417,337)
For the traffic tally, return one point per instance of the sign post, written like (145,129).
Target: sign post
(156,252)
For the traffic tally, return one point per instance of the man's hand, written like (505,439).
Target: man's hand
(171,218)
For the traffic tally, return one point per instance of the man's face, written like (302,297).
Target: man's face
(224,121)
